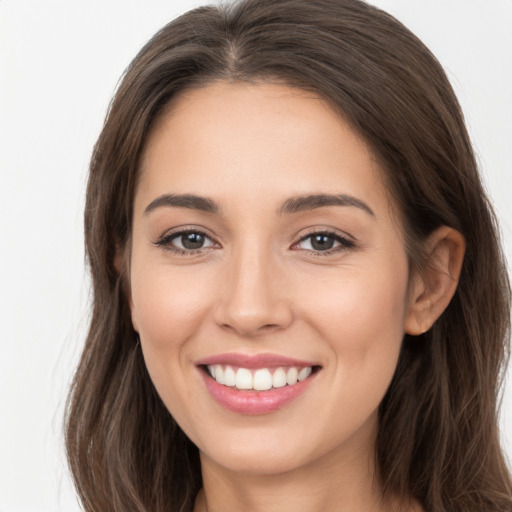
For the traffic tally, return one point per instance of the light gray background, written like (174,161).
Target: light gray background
(59,65)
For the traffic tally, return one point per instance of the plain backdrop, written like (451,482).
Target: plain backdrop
(59,65)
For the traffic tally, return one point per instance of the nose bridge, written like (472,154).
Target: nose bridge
(253,299)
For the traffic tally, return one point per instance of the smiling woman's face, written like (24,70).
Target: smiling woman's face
(264,247)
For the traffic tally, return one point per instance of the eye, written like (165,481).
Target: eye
(324,241)
(191,240)
(186,241)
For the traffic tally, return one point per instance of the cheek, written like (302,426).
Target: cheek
(165,304)
(362,322)
(362,319)
(168,308)
(361,302)
(167,311)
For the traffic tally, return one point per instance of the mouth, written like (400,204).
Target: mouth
(258,379)
(256,384)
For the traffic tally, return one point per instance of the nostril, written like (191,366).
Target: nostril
(249,328)
(248,311)
(269,327)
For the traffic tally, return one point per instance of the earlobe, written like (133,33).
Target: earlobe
(431,292)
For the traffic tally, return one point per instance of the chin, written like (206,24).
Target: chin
(256,462)
(269,450)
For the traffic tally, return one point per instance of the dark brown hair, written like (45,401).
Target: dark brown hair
(438,438)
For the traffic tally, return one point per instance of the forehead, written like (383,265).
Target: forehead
(251,141)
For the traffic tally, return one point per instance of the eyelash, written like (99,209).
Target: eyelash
(166,242)
(344,242)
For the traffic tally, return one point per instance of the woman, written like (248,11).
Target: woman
(290,249)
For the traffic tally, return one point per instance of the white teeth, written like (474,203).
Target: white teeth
(229,376)
(304,373)
(261,379)
(219,374)
(279,378)
(243,379)
(291,376)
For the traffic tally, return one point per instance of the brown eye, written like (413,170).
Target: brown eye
(191,240)
(186,241)
(324,242)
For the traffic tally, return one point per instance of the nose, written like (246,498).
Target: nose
(253,299)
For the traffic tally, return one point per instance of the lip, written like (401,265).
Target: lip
(254,361)
(254,402)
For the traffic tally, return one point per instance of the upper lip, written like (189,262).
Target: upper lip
(254,361)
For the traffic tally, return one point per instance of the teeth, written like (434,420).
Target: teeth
(304,373)
(219,373)
(229,376)
(261,379)
(279,378)
(243,379)
(291,376)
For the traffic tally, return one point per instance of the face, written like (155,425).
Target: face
(265,252)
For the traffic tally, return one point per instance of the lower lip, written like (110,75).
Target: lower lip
(255,402)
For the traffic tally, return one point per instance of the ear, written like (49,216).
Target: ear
(431,292)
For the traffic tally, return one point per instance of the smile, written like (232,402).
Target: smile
(256,384)
(261,379)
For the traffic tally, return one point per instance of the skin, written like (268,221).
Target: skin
(257,287)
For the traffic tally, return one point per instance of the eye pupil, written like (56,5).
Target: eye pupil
(321,242)
(192,240)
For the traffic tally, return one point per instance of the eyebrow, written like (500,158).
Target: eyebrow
(203,204)
(313,201)
(291,205)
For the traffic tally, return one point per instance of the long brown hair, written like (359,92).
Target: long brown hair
(438,439)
